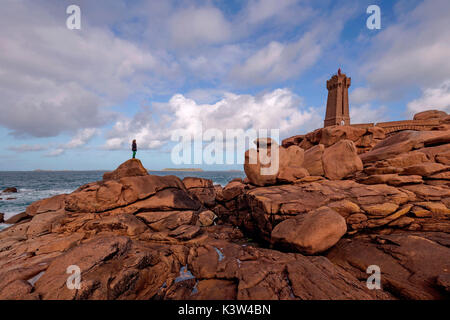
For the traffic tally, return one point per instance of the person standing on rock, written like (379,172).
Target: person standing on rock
(134,148)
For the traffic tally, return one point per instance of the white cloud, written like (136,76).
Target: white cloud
(280,61)
(286,12)
(196,26)
(279,109)
(55,153)
(432,99)
(413,52)
(81,138)
(55,80)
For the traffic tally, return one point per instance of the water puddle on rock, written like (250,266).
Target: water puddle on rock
(4,226)
(221,256)
(185,274)
(195,289)
(34,279)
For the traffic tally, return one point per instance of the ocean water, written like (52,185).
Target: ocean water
(36,185)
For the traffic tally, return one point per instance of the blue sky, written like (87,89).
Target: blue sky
(74,99)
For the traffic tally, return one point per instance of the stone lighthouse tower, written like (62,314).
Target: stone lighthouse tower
(337,103)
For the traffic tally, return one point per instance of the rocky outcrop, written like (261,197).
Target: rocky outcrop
(23,216)
(413,265)
(130,168)
(291,164)
(363,138)
(148,237)
(308,231)
(202,190)
(269,206)
(405,141)
(10,190)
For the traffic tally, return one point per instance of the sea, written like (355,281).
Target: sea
(36,185)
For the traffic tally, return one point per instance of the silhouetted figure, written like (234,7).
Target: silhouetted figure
(134,148)
(339,71)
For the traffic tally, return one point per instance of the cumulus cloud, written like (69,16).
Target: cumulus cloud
(278,109)
(81,138)
(280,61)
(432,98)
(55,80)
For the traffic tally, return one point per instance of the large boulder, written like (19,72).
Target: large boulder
(430,114)
(10,190)
(313,160)
(232,190)
(17,218)
(311,233)
(295,140)
(271,163)
(291,164)
(341,160)
(333,134)
(259,172)
(130,168)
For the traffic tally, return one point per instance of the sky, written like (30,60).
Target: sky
(74,99)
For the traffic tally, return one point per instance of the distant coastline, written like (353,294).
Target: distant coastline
(183,169)
(107,170)
(40,170)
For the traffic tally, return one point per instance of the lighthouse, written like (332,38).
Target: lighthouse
(337,104)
